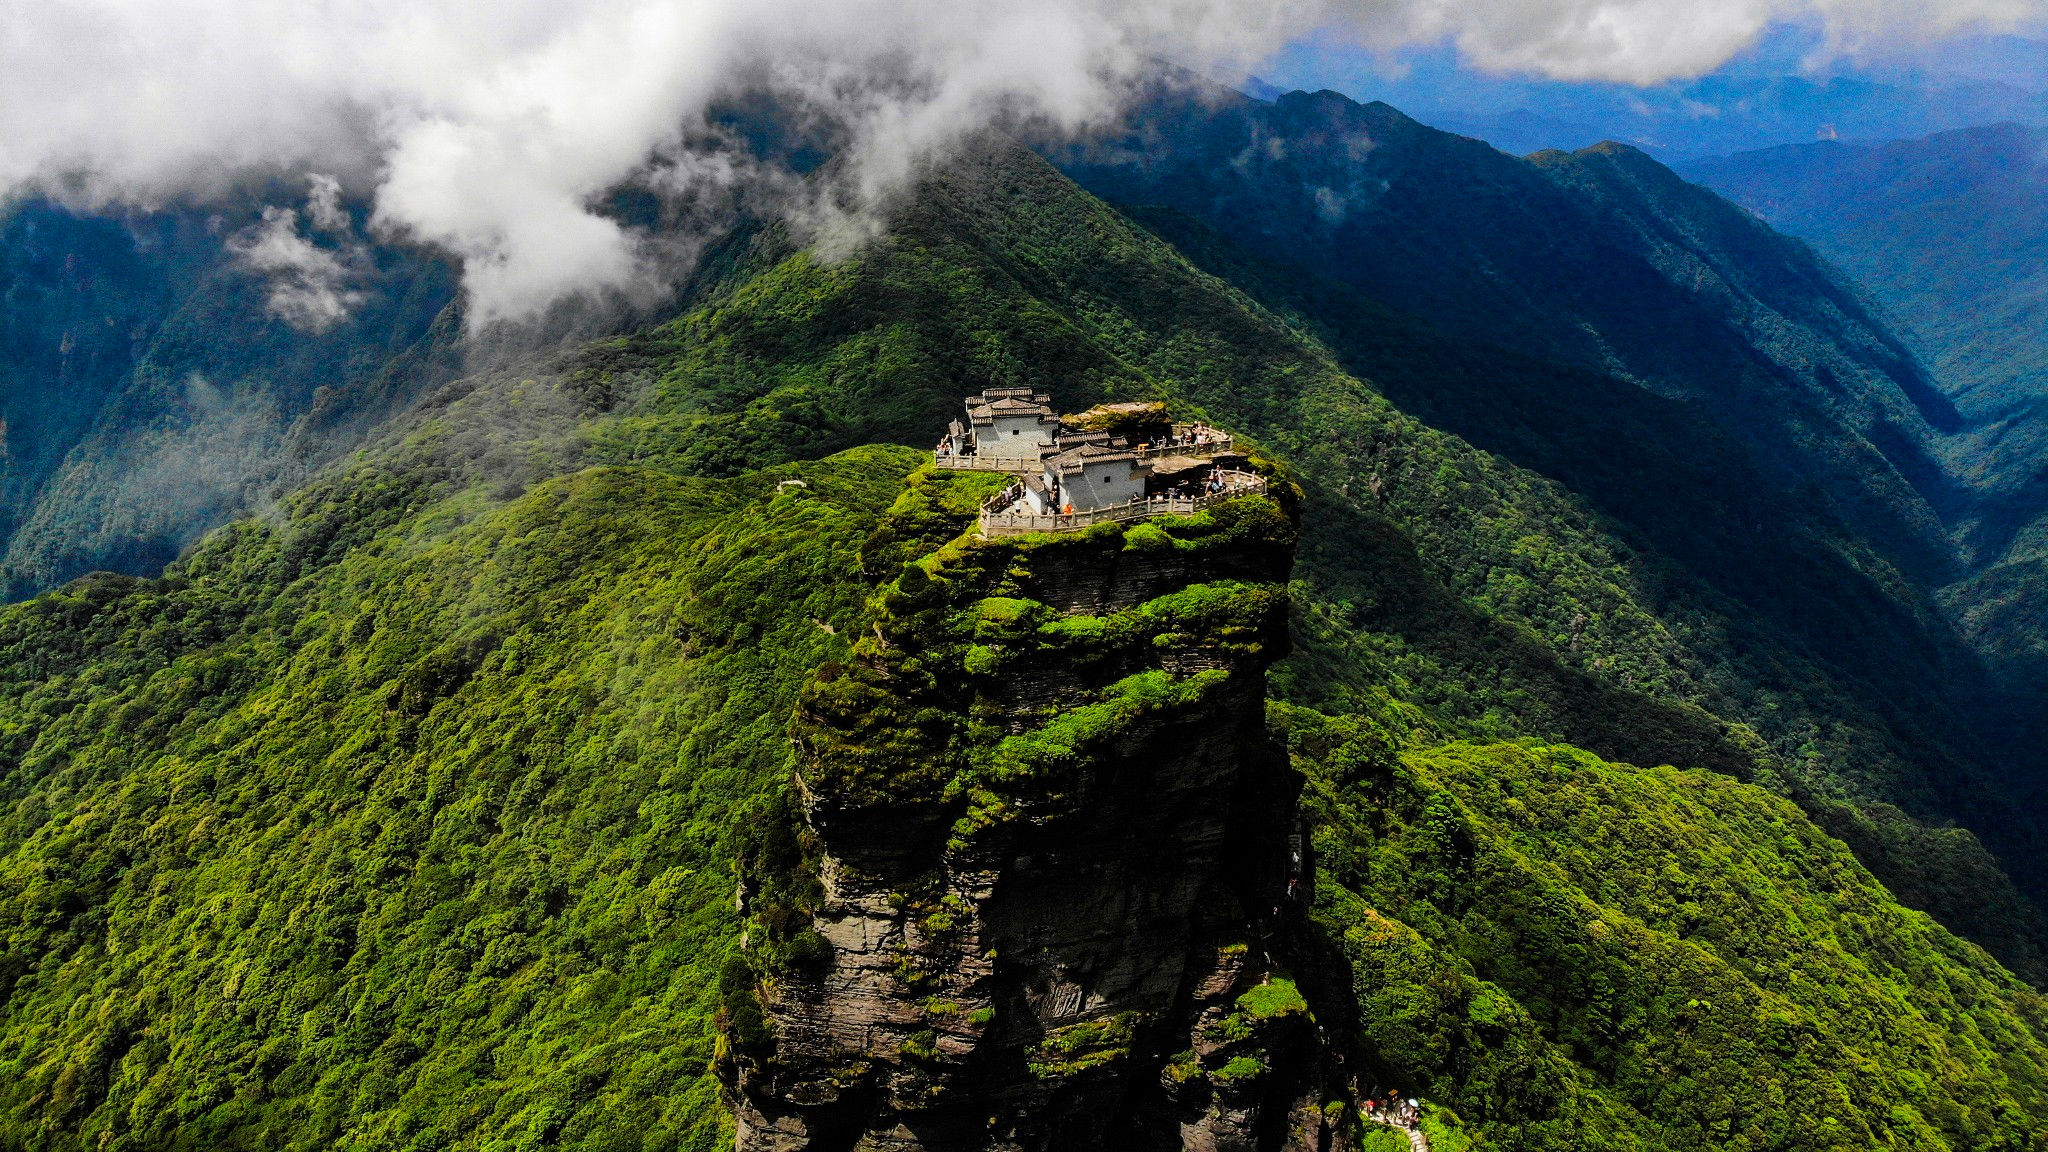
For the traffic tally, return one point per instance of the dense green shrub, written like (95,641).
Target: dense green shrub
(430,847)
(1580,954)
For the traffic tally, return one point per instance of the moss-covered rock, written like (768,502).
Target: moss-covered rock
(1040,783)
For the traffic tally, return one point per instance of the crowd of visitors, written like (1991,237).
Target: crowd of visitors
(1392,1109)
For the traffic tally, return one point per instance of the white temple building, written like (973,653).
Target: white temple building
(1006,424)
(1069,478)
(1096,472)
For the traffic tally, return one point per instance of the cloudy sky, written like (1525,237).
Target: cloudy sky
(488,129)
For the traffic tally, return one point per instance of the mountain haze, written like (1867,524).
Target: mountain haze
(149,391)
(1948,234)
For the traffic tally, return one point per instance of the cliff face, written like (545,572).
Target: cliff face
(1043,878)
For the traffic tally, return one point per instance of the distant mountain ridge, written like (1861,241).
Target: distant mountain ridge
(1603,261)
(1683,122)
(1720,390)
(147,392)
(1790,88)
(1944,230)
(1950,236)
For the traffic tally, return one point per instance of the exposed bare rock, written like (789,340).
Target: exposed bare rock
(1056,884)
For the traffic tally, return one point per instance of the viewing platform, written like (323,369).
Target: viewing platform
(1188,443)
(1007,514)
(983,463)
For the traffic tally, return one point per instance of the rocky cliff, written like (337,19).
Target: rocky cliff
(1040,880)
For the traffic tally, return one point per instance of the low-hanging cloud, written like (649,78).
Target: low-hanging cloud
(490,130)
(309,285)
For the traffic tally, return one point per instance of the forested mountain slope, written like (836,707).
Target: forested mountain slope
(378,846)
(1601,261)
(76,290)
(406,816)
(1640,958)
(1948,233)
(1714,388)
(149,390)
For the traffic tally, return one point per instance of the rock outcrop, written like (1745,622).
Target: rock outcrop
(1046,877)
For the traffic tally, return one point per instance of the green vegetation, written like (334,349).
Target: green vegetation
(147,394)
(1379,1138)
(1076,1048)
(1239,1069)
(1443,1130)
(911,718)
(427,847)
(1948,234)
(1580,954)
(1276,997)
(412,815)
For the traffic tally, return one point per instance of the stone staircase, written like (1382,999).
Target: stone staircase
(1417,1142)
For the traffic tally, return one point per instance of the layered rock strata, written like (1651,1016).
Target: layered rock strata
(1050,880)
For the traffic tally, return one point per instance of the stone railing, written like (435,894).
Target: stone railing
(1211,445)
(985,463)
(1208,445)
(1003,499)
(1003,515)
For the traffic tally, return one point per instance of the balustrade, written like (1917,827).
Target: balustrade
(1000,514)
(1212,445)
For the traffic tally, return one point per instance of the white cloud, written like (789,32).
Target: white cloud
(309,285)
(323,203)
(1648,41)
(489,129)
